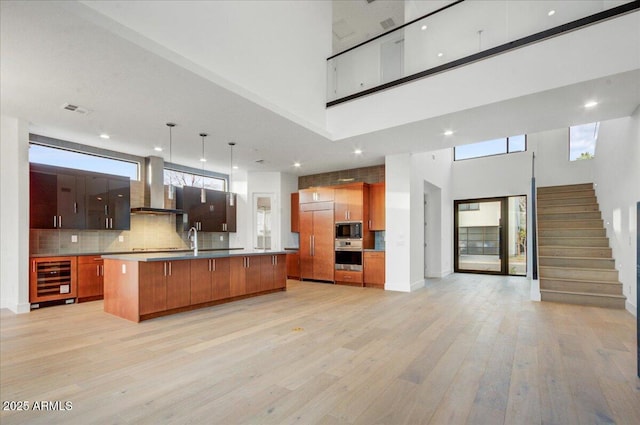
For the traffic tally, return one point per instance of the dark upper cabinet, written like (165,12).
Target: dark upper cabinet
(108,202)
(57,200)
(216,214)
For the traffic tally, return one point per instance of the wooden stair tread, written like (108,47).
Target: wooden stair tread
(587,294)
(567,279)
(574,258)
(575,268)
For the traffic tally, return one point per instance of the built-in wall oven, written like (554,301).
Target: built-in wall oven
(349,254)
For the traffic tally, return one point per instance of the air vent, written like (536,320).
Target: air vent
(370,1)
(75,108)
(259,161)
(387,23)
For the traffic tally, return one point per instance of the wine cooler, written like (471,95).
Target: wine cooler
(52,278)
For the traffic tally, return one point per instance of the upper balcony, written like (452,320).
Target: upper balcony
(458,34)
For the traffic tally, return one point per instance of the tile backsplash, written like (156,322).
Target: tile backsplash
(148,232)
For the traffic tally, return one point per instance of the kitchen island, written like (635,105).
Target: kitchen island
(143,286)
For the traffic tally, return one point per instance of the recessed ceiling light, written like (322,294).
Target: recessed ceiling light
(296,164)
(590,104)
(203,159)
(440,54)
(157,149)
(104,136)
(424,27)
(448,133)
(235,167)
(551,12)
(357,151)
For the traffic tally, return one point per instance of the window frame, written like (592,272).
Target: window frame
(64,145)
(506,145)
(197,172)
(597,123)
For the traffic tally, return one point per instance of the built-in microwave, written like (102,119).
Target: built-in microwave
(349,230)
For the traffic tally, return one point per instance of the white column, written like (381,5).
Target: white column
(398,222)
(14,215)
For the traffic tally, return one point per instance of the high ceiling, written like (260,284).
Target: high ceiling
(51,57)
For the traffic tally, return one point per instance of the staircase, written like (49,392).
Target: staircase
(575,262)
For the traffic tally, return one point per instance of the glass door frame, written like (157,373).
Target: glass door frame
(503,235)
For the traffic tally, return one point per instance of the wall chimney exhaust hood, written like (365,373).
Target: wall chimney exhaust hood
(154,189)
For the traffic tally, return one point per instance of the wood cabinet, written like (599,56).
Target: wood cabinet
(374,269)
(295,212)
(216,214)
(377,206)
(293,265)
(349,202)
(90,278)
(349,277)
(164,285)
(141,290)
(52,278)
(108,202)
(57,199)
(244,275)
(317,260)
(209,280)
(316,194)
(273,272)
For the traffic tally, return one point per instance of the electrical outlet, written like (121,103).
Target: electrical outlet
(221,237)
(124,269)
(74,238)
(120,238)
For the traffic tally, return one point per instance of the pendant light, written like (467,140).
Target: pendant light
(231,201)
(172,189)
(203,195)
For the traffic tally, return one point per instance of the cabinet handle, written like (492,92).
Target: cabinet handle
(213,261)
(60,221)
(370,224)
(33,266)
(248,262)
(311,245)
(98,270)
(165,268)
(110,223)
(169,268)
(105,210)
(106,223)
(75,208)
(55,221)
(102,268)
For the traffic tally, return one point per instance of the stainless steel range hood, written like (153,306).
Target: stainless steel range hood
(154,189)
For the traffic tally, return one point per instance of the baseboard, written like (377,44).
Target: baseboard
(631,308)
(418,284)
(396,287)
(16,308)
(535,290)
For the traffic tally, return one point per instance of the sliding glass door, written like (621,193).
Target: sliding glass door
(490,235)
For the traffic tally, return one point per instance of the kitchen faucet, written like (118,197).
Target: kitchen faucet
(193,238)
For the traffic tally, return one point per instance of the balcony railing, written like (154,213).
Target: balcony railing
(460,33)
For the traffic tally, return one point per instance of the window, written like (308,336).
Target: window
(469,207)
(582,141)
(184,178)
(491,147)
(58,157)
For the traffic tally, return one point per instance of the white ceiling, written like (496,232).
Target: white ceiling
(50,56)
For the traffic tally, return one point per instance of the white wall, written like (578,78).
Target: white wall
(431,176)
(239,185)
(398,224)
(273,53)
(14,215)
(288,185)
(617,176)
(409,177)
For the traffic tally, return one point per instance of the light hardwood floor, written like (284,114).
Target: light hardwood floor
(466,349)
